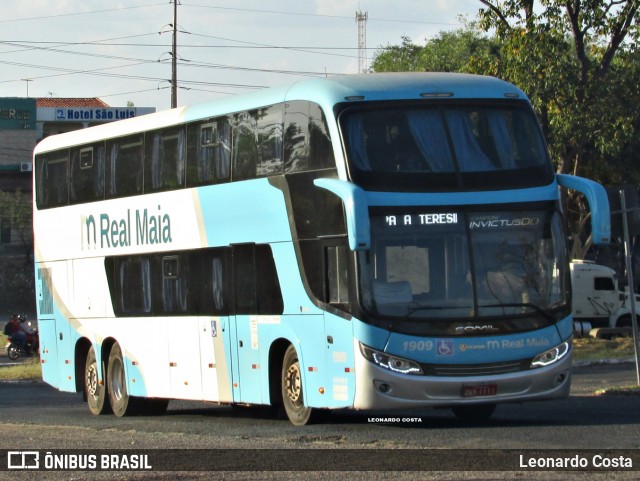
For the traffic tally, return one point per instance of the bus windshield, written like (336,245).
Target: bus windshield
(457,265)
(445,146)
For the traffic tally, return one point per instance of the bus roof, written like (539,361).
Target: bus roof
(327,92)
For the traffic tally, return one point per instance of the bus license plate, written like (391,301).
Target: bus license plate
(480,390)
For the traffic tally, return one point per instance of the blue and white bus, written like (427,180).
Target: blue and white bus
(376,241)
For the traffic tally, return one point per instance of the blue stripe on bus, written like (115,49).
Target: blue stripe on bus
(226,205)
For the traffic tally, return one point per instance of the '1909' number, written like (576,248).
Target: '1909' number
(417,345)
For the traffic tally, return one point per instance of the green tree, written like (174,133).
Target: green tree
(577,60)
(572,59)
(397,58)
(463,50)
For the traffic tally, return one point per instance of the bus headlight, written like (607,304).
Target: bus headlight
(392,363)
(552,355)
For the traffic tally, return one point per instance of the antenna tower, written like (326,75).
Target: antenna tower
(361,20)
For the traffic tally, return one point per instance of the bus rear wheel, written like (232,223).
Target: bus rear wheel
(121,403)
(292,392)
(95,390)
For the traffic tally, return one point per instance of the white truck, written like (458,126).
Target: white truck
(597,300)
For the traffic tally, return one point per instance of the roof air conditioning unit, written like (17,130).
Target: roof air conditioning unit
(25,167)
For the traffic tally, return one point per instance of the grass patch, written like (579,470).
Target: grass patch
(619,391)
(590,349)
(27,370)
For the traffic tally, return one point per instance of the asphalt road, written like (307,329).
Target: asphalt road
(34,416)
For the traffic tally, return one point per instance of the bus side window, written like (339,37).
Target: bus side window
(87,173)
(337,291)
(269,127)
(124,166)
(133,281)
(245,146)
(174,284)
(320,147)
(307,145)
(269,294)
(209,152)
(244,279)
(208,282)
(165,159)
(256,286)
(52,180)
(296,136)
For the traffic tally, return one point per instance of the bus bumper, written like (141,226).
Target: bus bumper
(379,388)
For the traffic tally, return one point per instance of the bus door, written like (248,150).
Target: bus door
(214,353)
(46,326)
(56,341)
(201,354)
(338,328)
(246,368)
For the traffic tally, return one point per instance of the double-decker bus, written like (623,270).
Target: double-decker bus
(380,241)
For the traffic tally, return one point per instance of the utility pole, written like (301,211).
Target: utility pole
(27,80)
(361,20)
(174,58)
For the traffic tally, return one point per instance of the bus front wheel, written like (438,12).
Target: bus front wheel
(292,392)
(121,403)
(97,398)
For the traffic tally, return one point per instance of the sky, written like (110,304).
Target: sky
(120,51)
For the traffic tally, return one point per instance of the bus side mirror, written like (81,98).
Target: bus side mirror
(598,204)
(356,210)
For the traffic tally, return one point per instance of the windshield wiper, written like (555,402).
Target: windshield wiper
(413,309)
(546,314)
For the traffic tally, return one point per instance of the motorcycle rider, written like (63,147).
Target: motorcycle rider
(18,334)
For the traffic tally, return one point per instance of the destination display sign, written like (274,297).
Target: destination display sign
(472,220)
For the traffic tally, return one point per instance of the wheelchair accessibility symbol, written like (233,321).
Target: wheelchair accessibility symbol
(444,347)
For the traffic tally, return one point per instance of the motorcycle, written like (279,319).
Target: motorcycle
(14,351)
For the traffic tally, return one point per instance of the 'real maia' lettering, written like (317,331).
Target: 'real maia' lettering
(136,228)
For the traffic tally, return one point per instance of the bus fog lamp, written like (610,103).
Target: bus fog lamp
(391,363)
(560,378)
(383,387)
(551,356)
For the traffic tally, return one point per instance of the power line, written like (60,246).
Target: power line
(73,48)
(236,9)
(247,44)
(100,43)
(98,72)
(139,61)
(302,14)
(49,17)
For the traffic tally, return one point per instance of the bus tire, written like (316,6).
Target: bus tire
(95,391)
(474,413)
(121,403)
(292,393)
